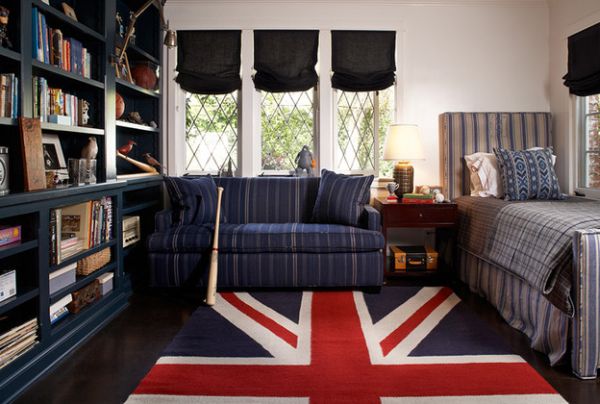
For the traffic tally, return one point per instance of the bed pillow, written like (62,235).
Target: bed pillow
(528,174)
(341,199)
(194,200)
(484,175)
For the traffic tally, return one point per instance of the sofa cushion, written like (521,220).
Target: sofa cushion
(268,199)
(296,237)
(180,239)
(194,199)
(341,198)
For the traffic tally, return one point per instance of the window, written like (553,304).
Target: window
(591,142)
(287,124)
(211,132)
(362,123)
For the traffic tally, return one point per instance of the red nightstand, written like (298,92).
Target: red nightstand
(441,216)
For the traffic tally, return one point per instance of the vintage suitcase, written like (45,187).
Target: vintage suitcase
(84,296)
(414,258)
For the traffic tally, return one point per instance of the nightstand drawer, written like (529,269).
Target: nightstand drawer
(421,215)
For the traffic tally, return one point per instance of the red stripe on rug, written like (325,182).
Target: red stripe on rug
(398,335)
(262,319)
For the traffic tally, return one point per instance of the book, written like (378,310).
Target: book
(9,235)
(417,201)
(77,219)
(58,309)
(417,196)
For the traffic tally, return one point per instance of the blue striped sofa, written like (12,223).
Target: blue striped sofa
(267,240)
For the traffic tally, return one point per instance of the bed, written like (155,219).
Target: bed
(558,311)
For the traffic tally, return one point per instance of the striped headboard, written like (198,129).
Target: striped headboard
(463,133)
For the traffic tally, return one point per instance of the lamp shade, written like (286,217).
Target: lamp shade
(403,143)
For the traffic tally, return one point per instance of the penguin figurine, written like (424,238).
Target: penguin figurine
(304,161)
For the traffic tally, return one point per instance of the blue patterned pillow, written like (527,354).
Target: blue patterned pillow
(194,199)
(528,174)
(341,198)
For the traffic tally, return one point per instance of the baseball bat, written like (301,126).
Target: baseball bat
(143,166)
(211,291)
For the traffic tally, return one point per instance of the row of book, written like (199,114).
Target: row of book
(17,341)
(417,198)
(49,46)
(76,228)
(54,105)
(9,95)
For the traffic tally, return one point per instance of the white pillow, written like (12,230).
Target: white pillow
(485,176)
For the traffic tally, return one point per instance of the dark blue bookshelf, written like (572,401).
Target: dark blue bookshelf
(143,196)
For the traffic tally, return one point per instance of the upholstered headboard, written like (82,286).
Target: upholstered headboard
(463,133)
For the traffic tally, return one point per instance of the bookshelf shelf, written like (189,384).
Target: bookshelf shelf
(73,320)
(135,126)
(10,250)
(63,20)
(18,300)
(8,121)
(139,206)
(135,90)
(10,54)
(58,72)
(81,282)
(139,51)
(83,254)
(84,130)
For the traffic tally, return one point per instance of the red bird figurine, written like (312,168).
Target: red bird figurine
(126,148)
(151,160)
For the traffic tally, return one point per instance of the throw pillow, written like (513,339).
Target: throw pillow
(528,174)
(485,176)
(341,198)
(194,199)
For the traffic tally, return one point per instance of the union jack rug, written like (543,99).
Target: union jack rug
(404,345)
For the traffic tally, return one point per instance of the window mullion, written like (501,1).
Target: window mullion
(376,133)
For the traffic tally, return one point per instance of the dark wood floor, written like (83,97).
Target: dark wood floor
(108,367)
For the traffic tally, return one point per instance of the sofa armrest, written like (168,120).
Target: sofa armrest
(371,219)
(163,220)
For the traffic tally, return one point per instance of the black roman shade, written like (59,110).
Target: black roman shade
(363,60)
(285,60)
(583,77)
(208,62)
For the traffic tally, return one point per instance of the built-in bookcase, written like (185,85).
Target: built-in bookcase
(131,191)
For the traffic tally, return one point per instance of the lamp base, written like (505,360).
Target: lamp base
(403,176)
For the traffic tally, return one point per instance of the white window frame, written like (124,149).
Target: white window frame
(376,145)
(249,134)
(239,136)
(582,149)
(315,135)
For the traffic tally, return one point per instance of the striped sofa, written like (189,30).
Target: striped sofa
(267,240)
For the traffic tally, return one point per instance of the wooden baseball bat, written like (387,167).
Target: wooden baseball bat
(211,291)
(142,166)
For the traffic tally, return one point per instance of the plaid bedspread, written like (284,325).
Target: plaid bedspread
(532,239)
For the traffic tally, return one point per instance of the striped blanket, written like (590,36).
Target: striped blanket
(532,239)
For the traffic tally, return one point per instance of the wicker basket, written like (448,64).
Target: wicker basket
(93,262)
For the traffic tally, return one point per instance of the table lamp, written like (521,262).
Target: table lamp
(403,144)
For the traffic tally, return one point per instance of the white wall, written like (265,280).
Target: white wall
(453,55)
(566,18)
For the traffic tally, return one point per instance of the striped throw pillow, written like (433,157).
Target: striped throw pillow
(528,174)
(341,199)
(194,200)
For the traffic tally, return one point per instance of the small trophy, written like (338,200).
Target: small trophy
(392,187)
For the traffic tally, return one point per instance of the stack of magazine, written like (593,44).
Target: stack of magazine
(17,340)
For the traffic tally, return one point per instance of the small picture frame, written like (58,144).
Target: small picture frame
(54,159)
(69,12)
